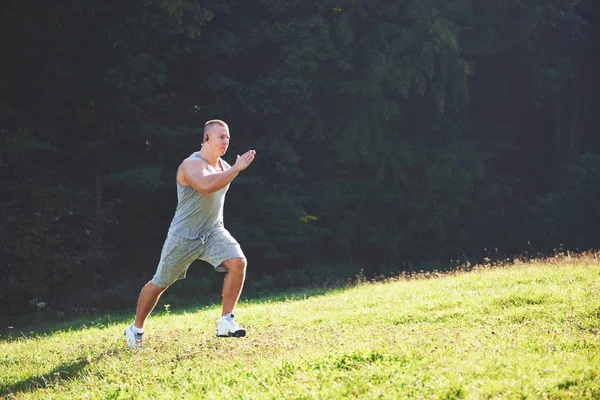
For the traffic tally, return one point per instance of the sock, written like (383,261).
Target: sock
(136,329)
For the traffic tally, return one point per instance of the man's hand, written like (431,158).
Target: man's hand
(242,162)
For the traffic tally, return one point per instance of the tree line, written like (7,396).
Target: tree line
(389,134)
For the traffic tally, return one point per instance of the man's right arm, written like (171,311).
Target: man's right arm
(197,175)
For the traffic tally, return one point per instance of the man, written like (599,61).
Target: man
(197,231)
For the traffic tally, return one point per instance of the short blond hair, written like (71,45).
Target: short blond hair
(209,124)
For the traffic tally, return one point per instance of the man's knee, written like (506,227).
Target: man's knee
(156,288)
(235,265)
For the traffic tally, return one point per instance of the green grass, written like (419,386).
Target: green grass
(526,330)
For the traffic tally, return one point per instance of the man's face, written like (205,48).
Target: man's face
(218,139)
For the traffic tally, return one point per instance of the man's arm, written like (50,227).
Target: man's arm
(197,175)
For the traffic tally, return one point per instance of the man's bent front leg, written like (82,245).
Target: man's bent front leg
(148,298)
(233,283)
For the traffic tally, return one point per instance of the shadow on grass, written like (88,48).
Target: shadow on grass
(47,326)
(59,375)
(43,327)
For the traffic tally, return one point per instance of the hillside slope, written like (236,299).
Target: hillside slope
(524,330)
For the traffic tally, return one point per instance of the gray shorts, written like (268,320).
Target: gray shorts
(178,253)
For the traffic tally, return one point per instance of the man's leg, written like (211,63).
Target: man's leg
(147,301)
(233,283)
(148,298)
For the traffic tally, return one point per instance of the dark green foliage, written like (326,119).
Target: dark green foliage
(90,116)
(388,133)
(568,216)
(394,154)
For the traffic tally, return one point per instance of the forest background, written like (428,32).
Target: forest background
(391,136)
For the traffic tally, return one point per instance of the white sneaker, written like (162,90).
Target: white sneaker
(229,328)
(134,339)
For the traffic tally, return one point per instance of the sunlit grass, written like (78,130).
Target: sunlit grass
(525,330)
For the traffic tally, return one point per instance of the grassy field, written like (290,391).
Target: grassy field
(525,330)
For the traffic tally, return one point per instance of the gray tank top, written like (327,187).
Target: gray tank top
(197,214)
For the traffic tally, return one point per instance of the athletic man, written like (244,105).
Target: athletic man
(197,231)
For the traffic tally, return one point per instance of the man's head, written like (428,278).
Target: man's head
(216,136)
